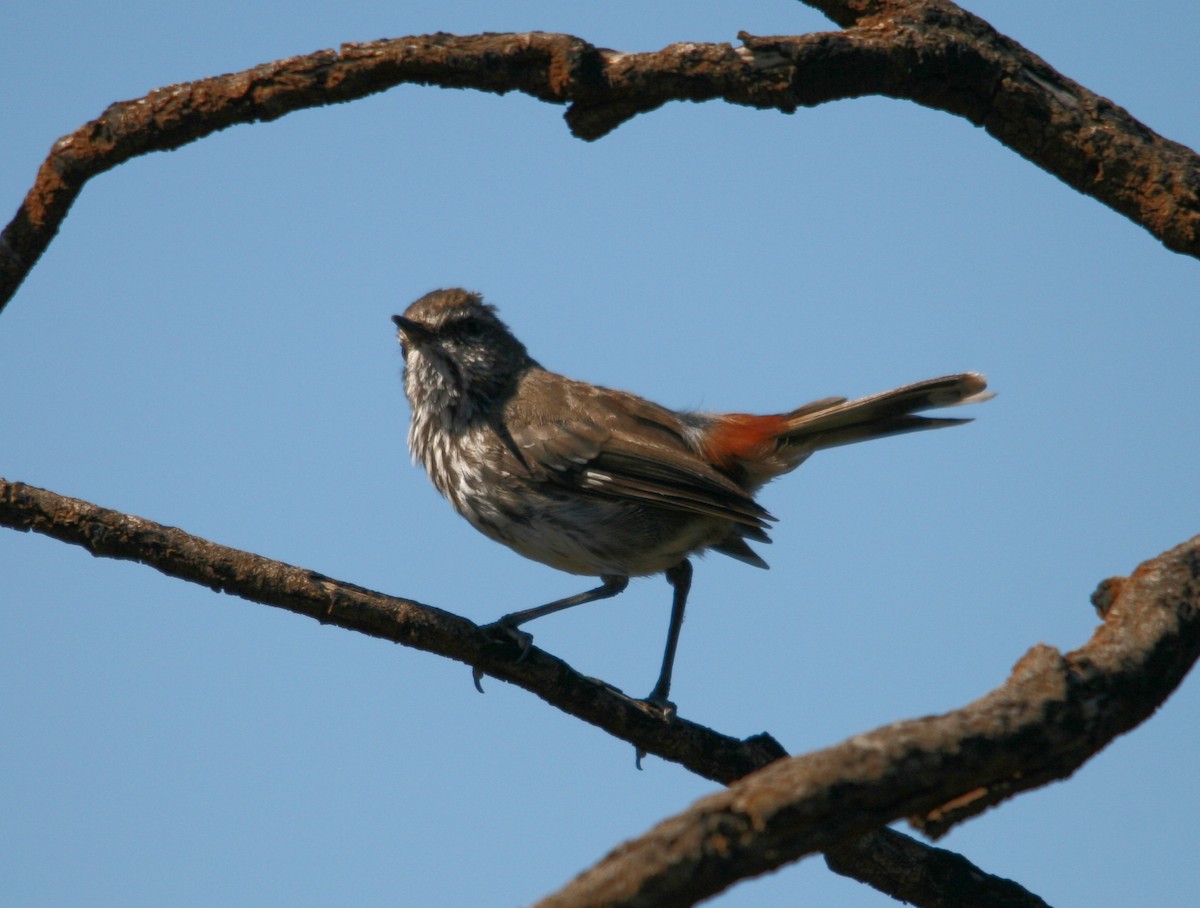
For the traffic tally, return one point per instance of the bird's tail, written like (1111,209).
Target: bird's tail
(836,421)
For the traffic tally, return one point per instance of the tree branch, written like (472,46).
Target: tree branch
(879,859)
(941,56)
(111,534)
(929,51)
(1051,715)
(913,872)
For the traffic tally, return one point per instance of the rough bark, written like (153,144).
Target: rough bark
(1047,719)
(1052,714)
(928,51)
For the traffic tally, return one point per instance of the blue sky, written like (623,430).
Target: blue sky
(207,344)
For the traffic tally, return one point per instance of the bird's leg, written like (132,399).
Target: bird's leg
(612,585)
(507,626)
(680,578)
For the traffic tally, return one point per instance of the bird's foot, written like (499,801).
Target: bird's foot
(658,704)
(506,635)
(657,701)
(510,635)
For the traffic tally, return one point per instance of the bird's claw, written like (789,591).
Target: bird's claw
(659,703)
(510,634)
(664,709)
(504,634)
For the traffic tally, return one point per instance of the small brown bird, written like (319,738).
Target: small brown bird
(604,483)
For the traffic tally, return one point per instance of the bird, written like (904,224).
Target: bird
(604,483)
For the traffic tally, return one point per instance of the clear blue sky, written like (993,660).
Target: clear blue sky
(207,344)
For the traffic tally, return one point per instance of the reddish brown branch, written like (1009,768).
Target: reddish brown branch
(939,55)
(1051,715)
(929,51)
(166,118)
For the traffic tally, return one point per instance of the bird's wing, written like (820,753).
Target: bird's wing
(631,451)
(630,468)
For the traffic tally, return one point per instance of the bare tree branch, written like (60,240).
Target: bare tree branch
(946,768)
(941,56)
(1051,715)
(913,872)
(111,534)
(929,51)
(887,860)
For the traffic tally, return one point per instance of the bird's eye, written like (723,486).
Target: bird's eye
(460,329)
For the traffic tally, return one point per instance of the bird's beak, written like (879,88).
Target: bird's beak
(411,332)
